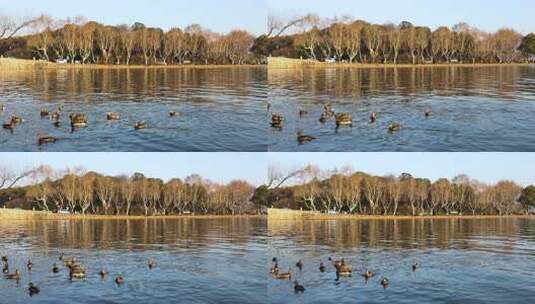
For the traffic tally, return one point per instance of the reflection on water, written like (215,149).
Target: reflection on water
(198,260)
(220,107)
(463,261)
(475,109)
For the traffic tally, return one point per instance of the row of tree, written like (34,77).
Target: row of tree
(352,40)
(343,191)
(77,40)
(360,193)
(93,193)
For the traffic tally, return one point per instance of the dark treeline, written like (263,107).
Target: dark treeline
(350,40)
(351,192)
(80,41)
(93,193)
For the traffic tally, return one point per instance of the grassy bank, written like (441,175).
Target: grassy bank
(21,64)
(288,215)
(289,63)
(19,214)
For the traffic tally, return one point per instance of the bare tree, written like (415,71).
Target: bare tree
(9,178)
(105,191)
(128,192)
(85,193)
(277,26)
(43,40)
(10,26)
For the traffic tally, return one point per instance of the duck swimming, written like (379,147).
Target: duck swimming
(415,266)
(298,288)
(299,265)
(428,113)
(174,114)
(322,267)
(323,118)
(302,138)
(368,275)
(46,139)
(119,280)
(4,259)
(32,289)
(373,117)
(2,107)
(78,120)
(283,275)
(55,268)
(29,265)
(277,120)
(302,113)
(151,264)
(113,116)
(77,272)
(344,119)
(16,119)
(5,268)
(103,273)
(140,125)
(328,110)
(44,113)
(55,115)
(327,113)
(385,282)
(13,122)
(13,276)
(394,127)
(344,270)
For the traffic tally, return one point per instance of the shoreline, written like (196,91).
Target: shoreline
(7,214)
(8,64)
(280,63)
(297,215)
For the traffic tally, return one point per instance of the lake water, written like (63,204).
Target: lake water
(222,109)
(462,261)
(474,109)
(198,260)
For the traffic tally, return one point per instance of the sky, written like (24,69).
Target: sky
(220,16)
(218,167)
(224,167)
(486,167)
(489,15)
(226,15)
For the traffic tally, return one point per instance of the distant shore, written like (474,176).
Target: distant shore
(19,214)
(275,214)
(290,63)
(23,64)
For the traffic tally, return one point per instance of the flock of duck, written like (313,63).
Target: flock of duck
(341,120)
(77,271)
(77,121)
(341,267)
